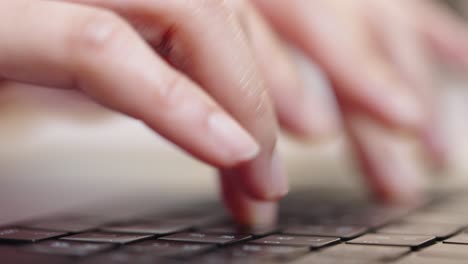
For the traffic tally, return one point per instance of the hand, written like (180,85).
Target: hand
(185,68)
(378,55)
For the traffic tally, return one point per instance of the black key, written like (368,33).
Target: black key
(458,239)
(341,231)
(206,238)
(250,253)
(72,225)
(123,257)
(103,237)
(393,240)
(365,252)
(232,229)
(13,255)
(265,251)
(154,228)
(302,241)
(26,235)
(371,217)
(437,230)
(168,248)
(187,216)
(67,248)
(445,251)
(224,259)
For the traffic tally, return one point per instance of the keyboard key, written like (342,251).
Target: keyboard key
(67,248)
(102,237)
(72,225)
(437,230)
(302,241)
(220,258)
(458,239)
(27,235)
(189,216)
(168,248)
(393,240)
(122,257)
(154,228)
(341,231)
(445,251)
(206,238)
(365,252)
(10,255)
(371,217)
(253,254)
(232,229)
(265,251)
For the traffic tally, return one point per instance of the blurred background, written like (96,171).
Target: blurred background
(60,150)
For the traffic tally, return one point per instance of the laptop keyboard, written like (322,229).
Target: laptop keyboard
(310,230)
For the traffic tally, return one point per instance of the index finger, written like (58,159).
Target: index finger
(207,42)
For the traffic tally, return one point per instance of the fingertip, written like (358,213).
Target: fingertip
(264,179)
(436,144)
(232,137)
(245,210)
(389,161)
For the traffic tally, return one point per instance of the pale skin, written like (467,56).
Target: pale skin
(220,68)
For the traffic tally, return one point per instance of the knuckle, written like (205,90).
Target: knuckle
(258,108)
(211,8)
(255,93)
(98,31)
(214,5)
(261,101)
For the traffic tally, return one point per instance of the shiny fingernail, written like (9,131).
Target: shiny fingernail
(228,134)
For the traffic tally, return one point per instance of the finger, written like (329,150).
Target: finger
(387,159)
(299,109)
(97,52)
(445,32)
(221,61)
(403,45)
(245,210)
(405,49)
(372,86)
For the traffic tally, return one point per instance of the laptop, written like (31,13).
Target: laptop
(316,225)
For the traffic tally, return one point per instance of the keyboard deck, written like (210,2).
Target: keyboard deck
(308,231)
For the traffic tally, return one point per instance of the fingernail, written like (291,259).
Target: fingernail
(228,134)
(278,177)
